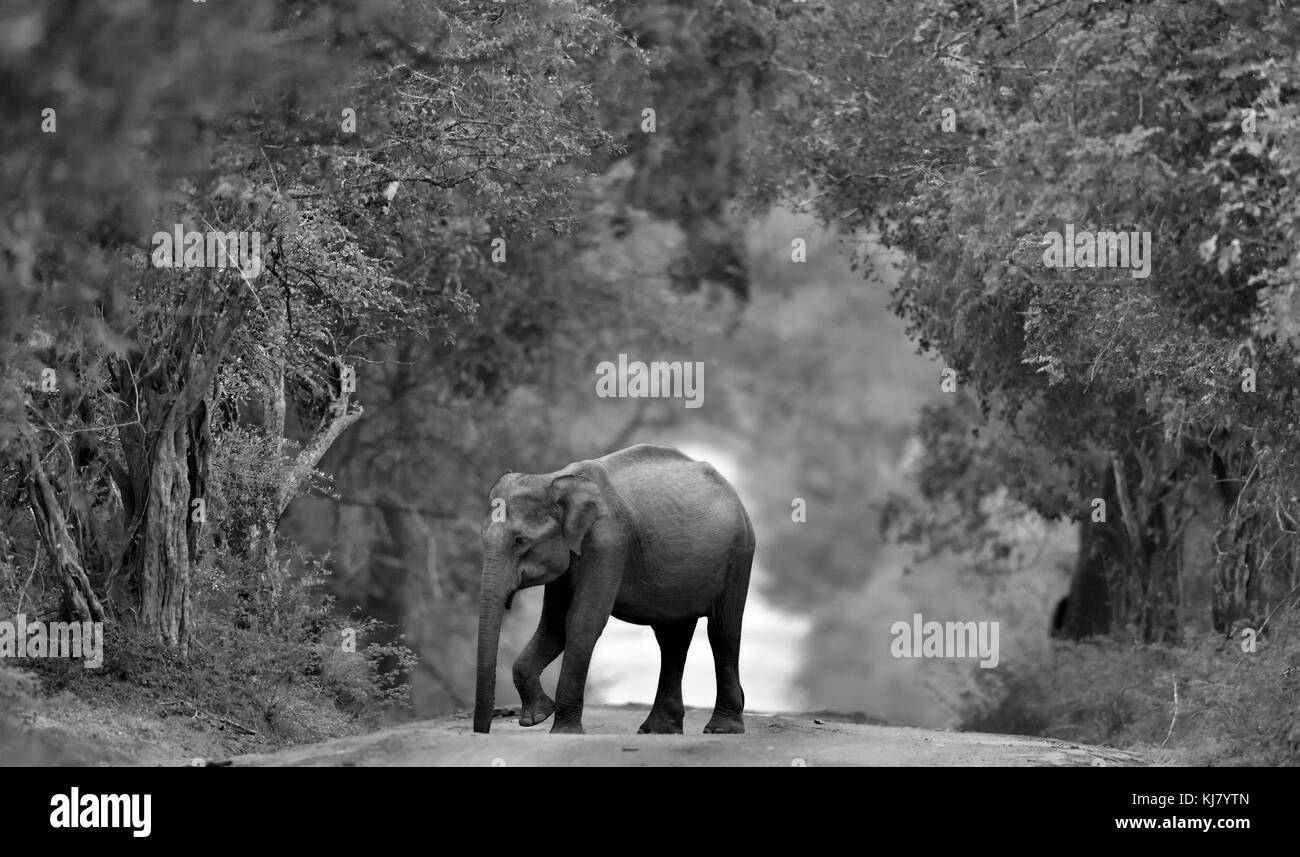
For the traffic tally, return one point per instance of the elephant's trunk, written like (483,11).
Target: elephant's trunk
(491,603)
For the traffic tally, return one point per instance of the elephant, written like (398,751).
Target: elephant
(646,535)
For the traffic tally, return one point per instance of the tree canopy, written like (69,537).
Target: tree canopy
(962,135)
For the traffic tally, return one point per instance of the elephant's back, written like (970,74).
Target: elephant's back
(647,474)
(690,518)
(644,455)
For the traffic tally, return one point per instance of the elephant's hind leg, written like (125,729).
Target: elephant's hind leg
(545,646)
(668,711)
(724,639)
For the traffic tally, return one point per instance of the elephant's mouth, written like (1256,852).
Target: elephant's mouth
(510,599)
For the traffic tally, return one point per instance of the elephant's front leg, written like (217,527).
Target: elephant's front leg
(545,646)
(593,601)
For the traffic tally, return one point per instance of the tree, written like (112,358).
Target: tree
(369,237)
(962,134)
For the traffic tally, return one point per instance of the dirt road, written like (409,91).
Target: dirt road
(611,740)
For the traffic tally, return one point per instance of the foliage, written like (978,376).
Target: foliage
(1232,707)
(1124,117)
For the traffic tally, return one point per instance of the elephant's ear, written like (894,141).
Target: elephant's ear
(578,500)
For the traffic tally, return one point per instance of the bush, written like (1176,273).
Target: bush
(1233,707)
(271,664)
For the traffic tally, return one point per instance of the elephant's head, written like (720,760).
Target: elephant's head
(534,527)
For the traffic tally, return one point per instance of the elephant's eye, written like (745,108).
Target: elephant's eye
(520,541)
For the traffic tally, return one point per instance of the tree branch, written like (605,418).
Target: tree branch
(341,415)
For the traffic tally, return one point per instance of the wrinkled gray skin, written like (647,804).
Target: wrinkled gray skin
(646,535)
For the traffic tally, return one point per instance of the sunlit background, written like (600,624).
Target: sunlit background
(844,388)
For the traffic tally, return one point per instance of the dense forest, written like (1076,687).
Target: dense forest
(266,476)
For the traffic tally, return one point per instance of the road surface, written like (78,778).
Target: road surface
(611,740)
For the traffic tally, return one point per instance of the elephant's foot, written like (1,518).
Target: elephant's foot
(567,728)
(536,711)
(720,725)
(659,723)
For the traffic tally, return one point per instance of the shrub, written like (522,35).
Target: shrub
(1233,707)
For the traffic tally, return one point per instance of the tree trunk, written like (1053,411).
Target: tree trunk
(163,393)
(1238,567)
(80,603)
(1128,567)
(1086,610)
(165,534)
